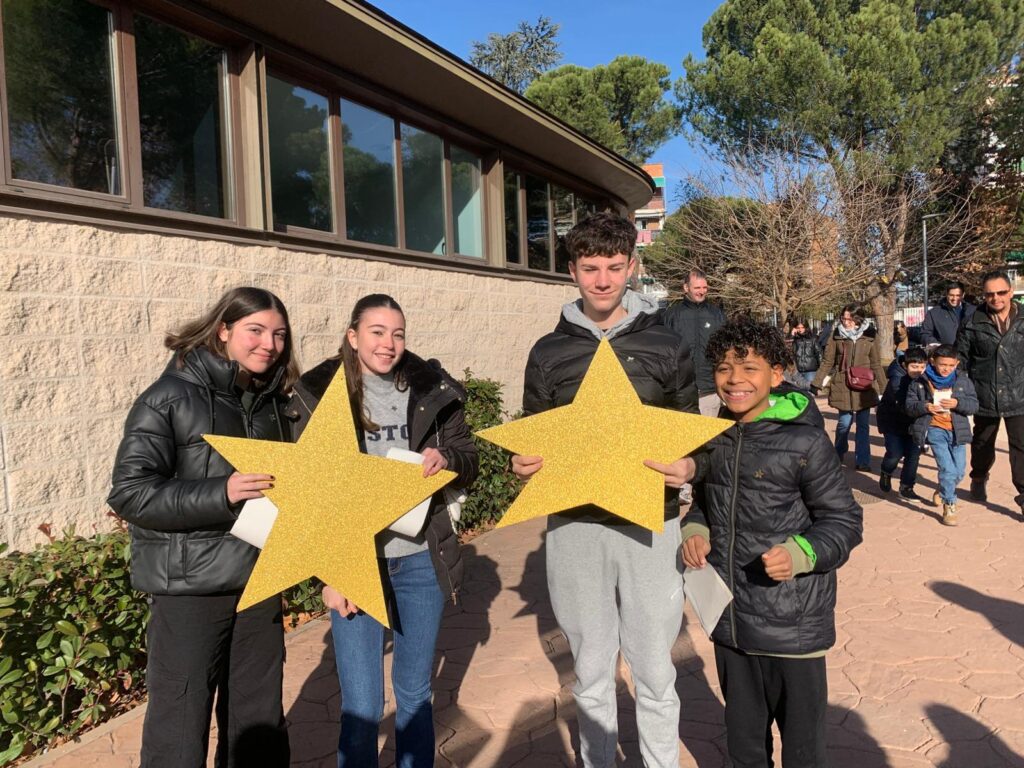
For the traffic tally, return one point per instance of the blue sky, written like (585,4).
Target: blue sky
(591,33)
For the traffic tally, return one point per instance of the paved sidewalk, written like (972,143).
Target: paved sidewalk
(928,669)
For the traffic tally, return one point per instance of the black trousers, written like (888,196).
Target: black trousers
(762,689)
(983,449)
(198,645)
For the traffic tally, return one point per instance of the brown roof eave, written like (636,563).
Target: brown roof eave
(361,39)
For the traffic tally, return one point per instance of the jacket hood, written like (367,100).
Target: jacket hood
(787,407)
(635,304)
(422,376)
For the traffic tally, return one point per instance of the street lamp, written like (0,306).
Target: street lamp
(924,256)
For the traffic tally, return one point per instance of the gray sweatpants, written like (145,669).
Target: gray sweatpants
(587,565)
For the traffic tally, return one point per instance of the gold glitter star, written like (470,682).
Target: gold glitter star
(332,500)
(594,448)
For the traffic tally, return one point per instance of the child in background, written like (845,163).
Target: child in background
(774,516)
(894,424)
(940,402)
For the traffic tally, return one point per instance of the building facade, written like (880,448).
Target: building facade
(156,153)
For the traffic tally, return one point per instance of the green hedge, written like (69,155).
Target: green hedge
(72,630)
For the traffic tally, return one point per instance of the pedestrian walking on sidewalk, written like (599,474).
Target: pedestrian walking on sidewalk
(991,347)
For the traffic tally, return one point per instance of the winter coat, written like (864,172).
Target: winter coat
(768,481)
(655,359)
(862,353)
(919,396)
(806,353)
(436,420)
(942,322)
(995,363)
(891,417)
(695,323)
(170,486)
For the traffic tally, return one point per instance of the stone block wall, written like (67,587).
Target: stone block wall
(83,311)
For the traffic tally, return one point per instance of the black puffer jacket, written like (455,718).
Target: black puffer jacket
(654,358)
(995,363)
(695,323)
(891,417)
(436,420)
(767,481)
(171,486)
(806,353)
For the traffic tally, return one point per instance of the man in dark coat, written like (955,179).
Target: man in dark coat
(991,347)
(942,321)
(695,319)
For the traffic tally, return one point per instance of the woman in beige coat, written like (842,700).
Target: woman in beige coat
(853,344)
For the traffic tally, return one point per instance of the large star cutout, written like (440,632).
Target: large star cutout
(594,449)
(332,500)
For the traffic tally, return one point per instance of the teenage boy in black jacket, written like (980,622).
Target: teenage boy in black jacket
(614,585)
(774,516)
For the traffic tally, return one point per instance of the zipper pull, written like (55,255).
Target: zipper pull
(455,597)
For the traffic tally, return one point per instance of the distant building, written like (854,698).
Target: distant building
(650,219)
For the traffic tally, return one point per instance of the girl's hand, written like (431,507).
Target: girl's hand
(336,601)
(525,467)
(433,462)
(243,487)
(695,551)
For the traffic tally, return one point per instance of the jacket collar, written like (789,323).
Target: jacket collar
(201,366)
(422,376)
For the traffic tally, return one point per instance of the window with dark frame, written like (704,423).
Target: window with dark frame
(61,110)
(399,184)
(300,161)
(182,120)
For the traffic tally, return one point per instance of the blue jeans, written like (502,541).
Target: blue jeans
(951,459)
(808,376)
(417,604)
(862,442)
(901,447)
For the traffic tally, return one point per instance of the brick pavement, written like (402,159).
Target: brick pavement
(928,669)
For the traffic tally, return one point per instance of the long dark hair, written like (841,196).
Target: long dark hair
(350,358)
(233,306)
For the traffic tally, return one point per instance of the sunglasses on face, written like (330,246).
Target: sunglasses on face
(993,294)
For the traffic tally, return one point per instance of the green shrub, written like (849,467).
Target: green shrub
(72,632)
(496,487)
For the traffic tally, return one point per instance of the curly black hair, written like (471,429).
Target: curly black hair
(742,335)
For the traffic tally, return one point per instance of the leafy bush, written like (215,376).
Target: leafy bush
(72,633)
(496,486)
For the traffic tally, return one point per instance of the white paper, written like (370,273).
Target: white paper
(708,595)
(942,394)
(255,521)
(411,523)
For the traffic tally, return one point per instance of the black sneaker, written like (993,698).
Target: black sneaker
(909,494)
(978,490)
(885,482)
(863,467)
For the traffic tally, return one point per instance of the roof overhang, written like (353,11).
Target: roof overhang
(363,40)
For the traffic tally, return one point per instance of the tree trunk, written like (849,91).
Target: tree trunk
(883,306)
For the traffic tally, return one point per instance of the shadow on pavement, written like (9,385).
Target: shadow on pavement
(970,742)
(1005,615)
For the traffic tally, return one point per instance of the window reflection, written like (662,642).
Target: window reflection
(466,202)
(60,94)
(512,234)
(423,190)
(538,224)
(300,175)
(181,118)
(368,138)
(562,200)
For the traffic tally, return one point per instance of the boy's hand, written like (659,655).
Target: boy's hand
(933,408)
(677,473)
(949,403)
(695,551)
(778,564)
(525,467)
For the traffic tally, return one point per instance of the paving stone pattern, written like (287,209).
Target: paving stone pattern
(928,668)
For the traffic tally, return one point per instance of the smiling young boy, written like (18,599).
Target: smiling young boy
(940,402)
(774,516)
(614,585)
